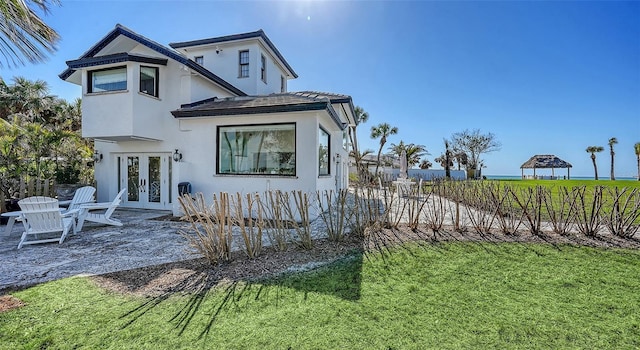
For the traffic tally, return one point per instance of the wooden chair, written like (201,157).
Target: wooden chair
(83,195)
(104,216)
(42,215)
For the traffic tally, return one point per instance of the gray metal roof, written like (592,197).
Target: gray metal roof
(161,49)
(274,103)
(545,161)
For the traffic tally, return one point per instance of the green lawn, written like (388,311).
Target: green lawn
(448,295)
(569,183)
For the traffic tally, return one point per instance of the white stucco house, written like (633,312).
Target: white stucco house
(213,112)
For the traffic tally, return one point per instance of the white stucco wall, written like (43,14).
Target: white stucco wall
(225,64)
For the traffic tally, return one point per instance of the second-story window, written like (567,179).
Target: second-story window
(149,80)
(199,60)
(263,68)
(112,79)
(283,87)
(244,64)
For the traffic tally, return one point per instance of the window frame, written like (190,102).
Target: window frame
(221,128)
(327,155)
(263,68)
(156,84)
(90,87)
(199,58)
(242,64)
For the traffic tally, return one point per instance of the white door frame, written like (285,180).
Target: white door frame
(150,183)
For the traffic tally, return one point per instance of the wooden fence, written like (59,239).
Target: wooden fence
(31,187)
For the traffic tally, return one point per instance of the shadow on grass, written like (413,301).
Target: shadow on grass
(211,294)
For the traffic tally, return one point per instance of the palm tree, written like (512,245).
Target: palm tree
(23,34)
(414,152)
(593,150)
(358,157)
(381,131)
(446,159)
(636,148)
(29,99)
(612,141)
(425,164)
(360,117)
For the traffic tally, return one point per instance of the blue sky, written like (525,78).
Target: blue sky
(544,77)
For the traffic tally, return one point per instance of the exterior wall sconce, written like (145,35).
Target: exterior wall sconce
(177,156)
(97,156)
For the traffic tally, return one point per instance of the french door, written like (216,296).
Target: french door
(146,176)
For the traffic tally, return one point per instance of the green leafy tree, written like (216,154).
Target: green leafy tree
(382,131)
(23,34)
(593,150)
(40,136)
(612,141)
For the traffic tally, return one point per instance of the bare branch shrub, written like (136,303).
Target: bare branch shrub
(250,222)
(367,211)
(624,215)
(211,240)
(530,202)
(478,205)
(334,212)
(507,215)
(415,208)
(561,210)
(275,219)
(454,191)
(588,207)
(436,208)
(302,228)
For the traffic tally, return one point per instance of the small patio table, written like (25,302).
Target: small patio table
(12,215)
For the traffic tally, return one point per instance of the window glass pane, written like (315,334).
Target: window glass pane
(109,80)
(345,139)
(200,60)
(257,149)
(244,57)
(148,79)
(323,152)
(244,64)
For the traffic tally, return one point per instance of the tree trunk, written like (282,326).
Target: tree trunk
(613,177)
(595,167)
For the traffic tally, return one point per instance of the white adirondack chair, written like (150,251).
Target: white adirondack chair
(83,195)
(104,216)
(42,216)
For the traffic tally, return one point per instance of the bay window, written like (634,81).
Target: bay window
(111,79)
(149,80)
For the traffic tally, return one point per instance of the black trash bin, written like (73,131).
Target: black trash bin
(184,188)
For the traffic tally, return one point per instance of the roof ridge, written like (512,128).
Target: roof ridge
(155,46)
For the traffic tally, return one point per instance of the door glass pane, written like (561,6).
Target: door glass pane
(154,179)
(133,176)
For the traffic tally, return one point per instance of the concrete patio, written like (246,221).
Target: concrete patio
(143,240)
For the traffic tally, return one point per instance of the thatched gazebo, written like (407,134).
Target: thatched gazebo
(545,161)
